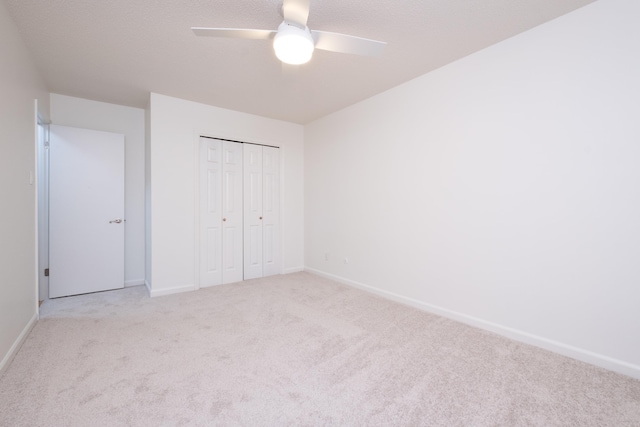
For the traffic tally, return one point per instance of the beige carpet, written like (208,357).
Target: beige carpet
(291,350)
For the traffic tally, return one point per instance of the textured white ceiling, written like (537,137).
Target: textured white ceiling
(120,50)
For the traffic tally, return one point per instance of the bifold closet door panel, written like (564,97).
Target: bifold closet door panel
(252,160)
(210,212)
(270,211)
(232,215)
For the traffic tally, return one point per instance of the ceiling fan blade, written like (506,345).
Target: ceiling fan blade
(235,33)
(296,12)
(343,43)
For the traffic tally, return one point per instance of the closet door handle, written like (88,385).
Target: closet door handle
(260,217)
(224,219)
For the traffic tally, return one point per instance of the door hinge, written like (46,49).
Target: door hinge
(46,272)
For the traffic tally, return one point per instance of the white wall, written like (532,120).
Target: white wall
(501,190)
(84,113)
(175,127)
(20,85)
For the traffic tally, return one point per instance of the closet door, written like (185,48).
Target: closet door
(270,211)
(210,212)
(252,160)
(261,211)
(232,215)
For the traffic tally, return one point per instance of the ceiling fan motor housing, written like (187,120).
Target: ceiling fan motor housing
(292,44)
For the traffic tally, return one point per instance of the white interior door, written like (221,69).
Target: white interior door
(232,212)
(210,212)
(270,211)
(252,211)
(261,211)
(86,211)
(220,212)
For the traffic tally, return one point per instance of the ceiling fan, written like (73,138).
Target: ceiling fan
(294,42)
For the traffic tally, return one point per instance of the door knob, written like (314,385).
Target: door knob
(224,219)
(260,217)
(117,221)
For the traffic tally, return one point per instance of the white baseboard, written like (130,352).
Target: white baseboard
(293,270)
(130,283)
(169,291)
(6,361)
(583,355)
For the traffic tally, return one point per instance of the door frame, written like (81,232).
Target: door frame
(41,182)
(42,208)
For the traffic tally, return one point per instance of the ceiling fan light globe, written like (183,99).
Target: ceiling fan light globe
(293,45)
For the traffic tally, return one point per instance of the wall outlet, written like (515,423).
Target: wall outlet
(346,260)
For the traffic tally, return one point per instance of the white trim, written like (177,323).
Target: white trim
(148,286)
(18,343)
(130,283)
(170,291)
(296,270)
(34,181)
(583,355)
